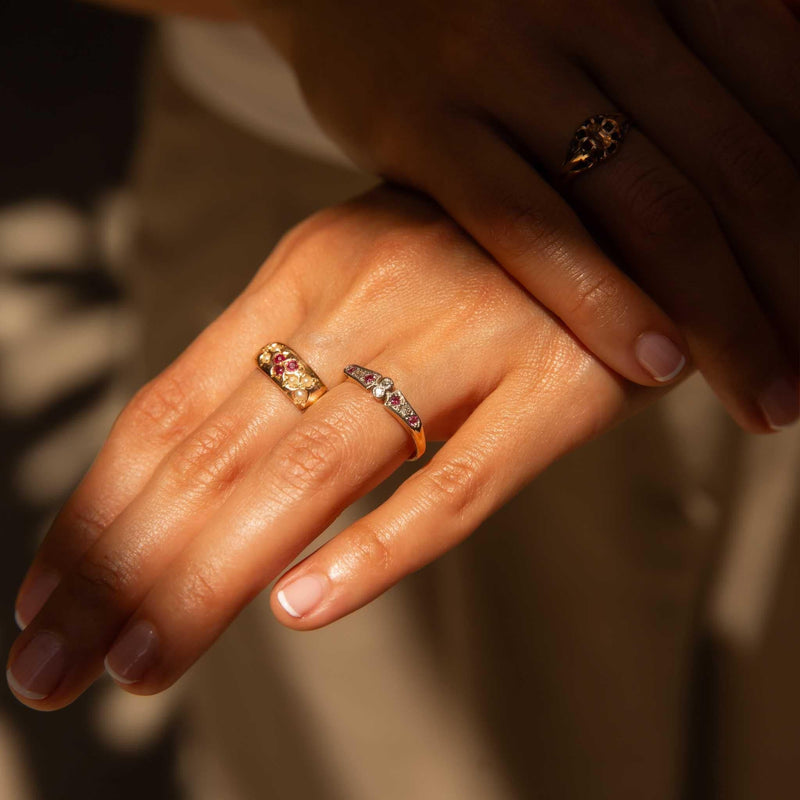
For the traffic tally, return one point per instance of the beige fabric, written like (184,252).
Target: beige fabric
(563,651)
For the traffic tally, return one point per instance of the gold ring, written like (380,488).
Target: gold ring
(291,374)
(383,389)
(595,141)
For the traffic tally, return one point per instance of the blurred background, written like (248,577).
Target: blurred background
(717,566)
(69,84)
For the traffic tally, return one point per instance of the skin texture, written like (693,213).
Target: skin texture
(211,481)
(691,234)
(474,103)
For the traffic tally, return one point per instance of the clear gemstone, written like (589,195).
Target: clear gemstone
(384,385)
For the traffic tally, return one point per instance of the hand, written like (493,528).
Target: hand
(211,481)
(475,101)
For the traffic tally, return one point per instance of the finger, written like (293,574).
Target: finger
(102,588)
(339,450)
(751,183)
(313,469)
(660,225)
(754,49)
(163,413)
(513,213)
(499,449)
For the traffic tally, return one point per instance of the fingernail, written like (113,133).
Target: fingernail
(780,404)
(133,654)
(302,595)
(39,666)
(659,356)
(34,596)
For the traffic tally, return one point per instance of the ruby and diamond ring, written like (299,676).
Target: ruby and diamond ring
(383,389)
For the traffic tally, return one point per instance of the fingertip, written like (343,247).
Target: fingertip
(300,596)
(780,404)
(33,595)
(660,357)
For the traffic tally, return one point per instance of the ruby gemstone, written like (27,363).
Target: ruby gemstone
(369,378)
(413,419)
(292,365)
(395,400)
(279,370)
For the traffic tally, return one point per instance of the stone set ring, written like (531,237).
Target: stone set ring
(291,374)
(383,389)
(298,381)
(595,141)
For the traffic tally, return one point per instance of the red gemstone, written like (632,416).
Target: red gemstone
(395,400)
(413,419)
(291,365)
(278,358)
(278,370)
(369,378)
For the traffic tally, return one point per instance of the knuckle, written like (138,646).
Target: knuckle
(597,300)
(455,485)
(100,579)
(200,594)
(388,264)
(752,166)
(396,261)
(370,546)
(520,230)
(85,522)
(160,411)
(210,458)
(667,207)
(309,457)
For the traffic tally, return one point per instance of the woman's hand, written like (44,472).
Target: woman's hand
(212,481)
(475,101)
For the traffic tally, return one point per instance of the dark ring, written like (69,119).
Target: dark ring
(595,141)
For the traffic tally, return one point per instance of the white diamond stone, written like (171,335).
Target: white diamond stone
(385,385)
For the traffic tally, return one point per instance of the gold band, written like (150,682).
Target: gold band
(291,374)
(595,141)
(393,400)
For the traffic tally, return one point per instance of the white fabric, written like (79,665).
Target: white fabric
(232,69)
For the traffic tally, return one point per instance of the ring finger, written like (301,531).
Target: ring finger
(240,519)
(668,236)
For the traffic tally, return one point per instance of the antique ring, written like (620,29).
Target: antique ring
(595,141)
(393,400)
(291,374)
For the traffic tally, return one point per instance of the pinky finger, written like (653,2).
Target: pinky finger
(491,457)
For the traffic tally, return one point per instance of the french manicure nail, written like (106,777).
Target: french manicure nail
(659,356)
(780,404)
(134,653)
(301,595)
(39,666)
(34,596)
